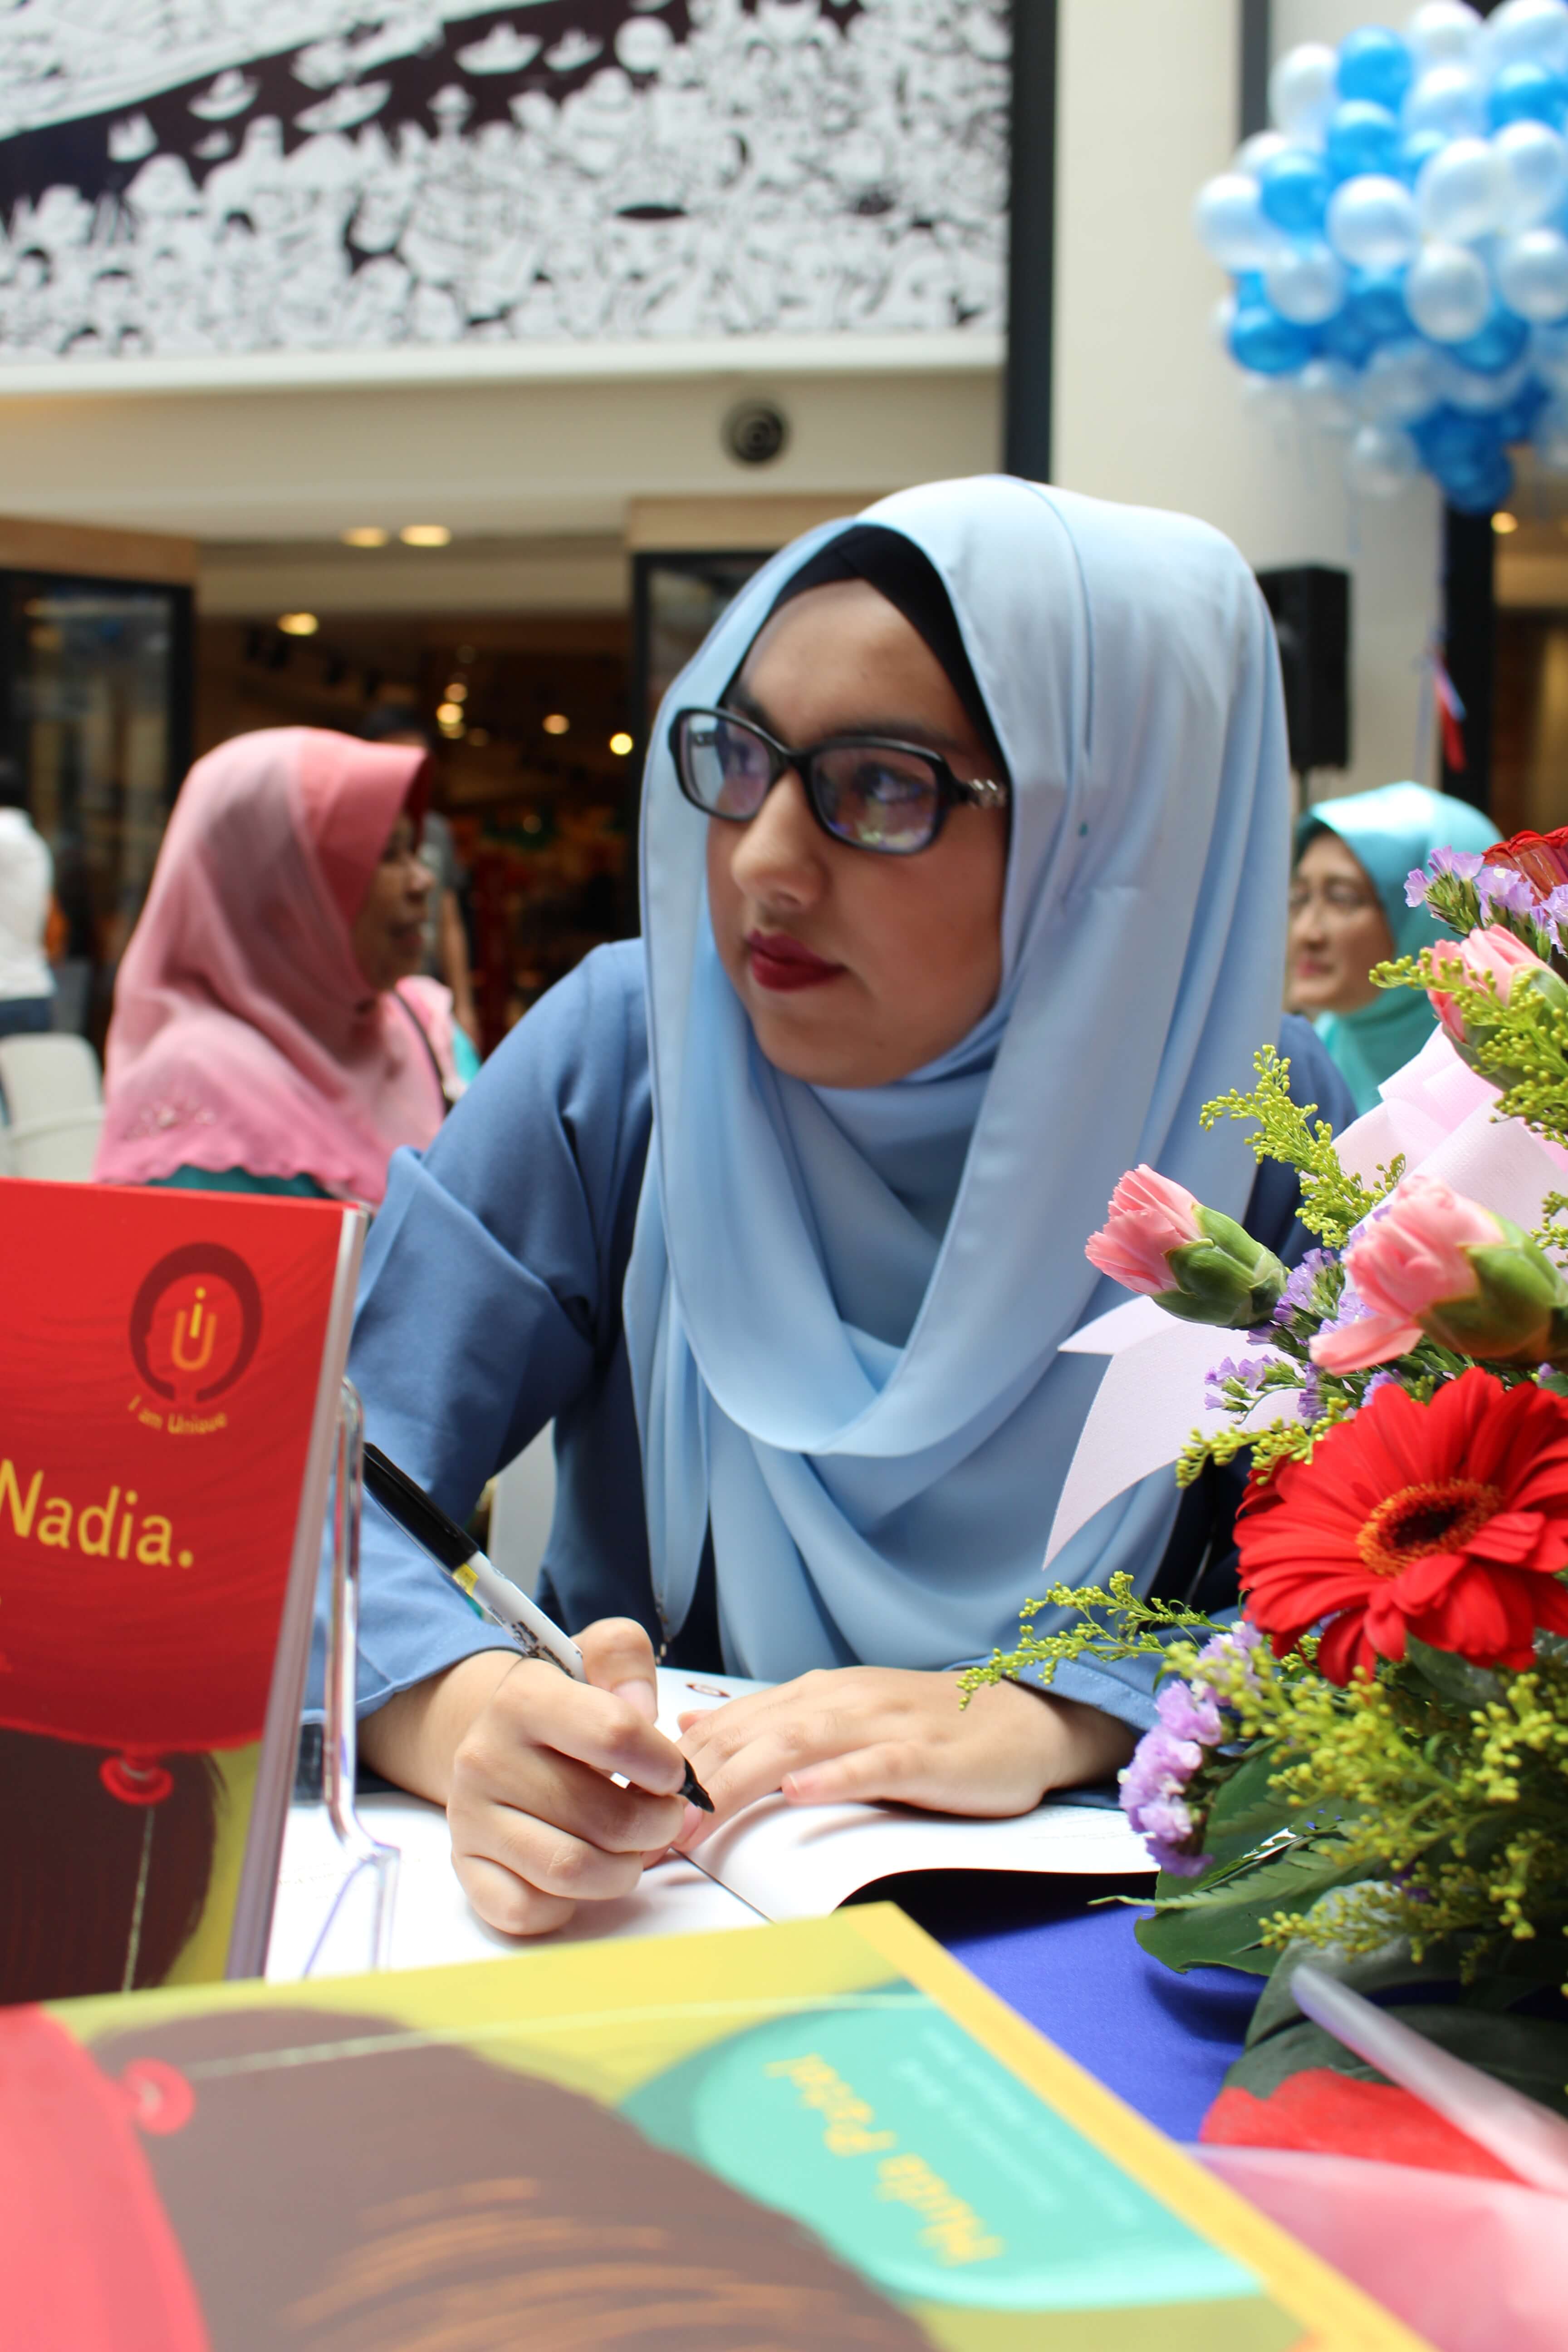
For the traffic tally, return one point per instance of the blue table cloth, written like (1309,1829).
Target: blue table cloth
(1160,2040)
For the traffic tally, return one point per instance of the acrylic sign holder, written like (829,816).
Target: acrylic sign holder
(366,1861)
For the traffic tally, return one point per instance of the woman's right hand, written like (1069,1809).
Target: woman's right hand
(520,1755)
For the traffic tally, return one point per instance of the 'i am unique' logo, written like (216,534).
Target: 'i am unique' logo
(193,1330)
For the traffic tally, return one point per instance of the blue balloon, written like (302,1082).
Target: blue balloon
(1361,137)
(1455,443)
(1248,285)
(1268,344)
(1375,64)
(1517,421)
(1497,345)
(1418,151)
(1344,336)
(1527,93)
(1482,492)
(1374,300)
(1294,188)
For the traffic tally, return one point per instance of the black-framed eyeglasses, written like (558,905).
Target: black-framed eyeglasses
(873,794)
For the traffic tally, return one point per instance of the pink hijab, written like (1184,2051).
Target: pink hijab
(245,1034)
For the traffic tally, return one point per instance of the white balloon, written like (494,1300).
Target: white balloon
(1399,382)
(1327,392)
(1466,388)
(1372,222)
(1303,90)
(1380,461)
(1549,356)
(1450,99)
(1306,284)
(1447,293)
(1532,273)
(1461,191)
(1254,152)
(1271,399)
(1222,319)
(1534,163)
(1534,32)
(1230,224)
(1444,32)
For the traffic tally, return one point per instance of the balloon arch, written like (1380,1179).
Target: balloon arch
(1398,244)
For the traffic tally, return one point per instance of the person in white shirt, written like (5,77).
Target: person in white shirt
(26,888)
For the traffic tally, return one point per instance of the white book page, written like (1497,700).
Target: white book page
(799,1862)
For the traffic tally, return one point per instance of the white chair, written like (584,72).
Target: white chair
(45,1076)
(522,1507)
(58,1151)
(51,1094)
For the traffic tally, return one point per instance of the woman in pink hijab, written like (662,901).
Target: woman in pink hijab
(268,1034)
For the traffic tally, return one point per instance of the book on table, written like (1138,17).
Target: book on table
(169,1389)
(823,2134)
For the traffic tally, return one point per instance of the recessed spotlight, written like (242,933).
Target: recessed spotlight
(479,737)
(620,743)
(448,714)
(534,822)
(298,624)
(556,722)
(465,654)
(425,534)
(365,534)
(1503,522)
(456,691)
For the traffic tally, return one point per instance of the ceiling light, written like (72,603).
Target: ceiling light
(620,744)
(1503,522)
(425,534)
(556,722)
(298,624)
(479,737)
(456,691)
(448,714)
(365,534)
(465,654)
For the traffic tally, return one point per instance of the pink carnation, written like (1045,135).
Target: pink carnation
(1493,954)
(1409,1260)
(1149,1217)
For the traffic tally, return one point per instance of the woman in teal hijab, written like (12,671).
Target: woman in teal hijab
(1348,912)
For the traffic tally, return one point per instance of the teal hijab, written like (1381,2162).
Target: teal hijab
(1391,831)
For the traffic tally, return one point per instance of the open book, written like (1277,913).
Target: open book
(774,1861)
(169,1384)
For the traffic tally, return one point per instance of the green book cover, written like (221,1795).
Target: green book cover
(823,2134)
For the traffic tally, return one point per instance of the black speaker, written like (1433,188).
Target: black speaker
(1310,604)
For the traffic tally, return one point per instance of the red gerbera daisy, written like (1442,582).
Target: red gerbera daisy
(1446,1520)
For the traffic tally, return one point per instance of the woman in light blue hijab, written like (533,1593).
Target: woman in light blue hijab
(964,854)
(1348,911)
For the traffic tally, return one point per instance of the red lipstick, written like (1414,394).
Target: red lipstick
(781,963)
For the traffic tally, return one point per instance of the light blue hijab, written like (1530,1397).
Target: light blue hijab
(1391,831)
(843,1309)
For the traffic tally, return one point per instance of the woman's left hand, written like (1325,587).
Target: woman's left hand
(869,1732)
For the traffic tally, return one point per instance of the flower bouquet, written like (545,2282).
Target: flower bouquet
(1369,1768)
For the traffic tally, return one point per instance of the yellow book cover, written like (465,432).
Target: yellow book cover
(818,2134)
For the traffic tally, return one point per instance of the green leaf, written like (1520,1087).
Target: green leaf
(1454,1680)
(1529,2053)
(1222,1927)
(1245,1810)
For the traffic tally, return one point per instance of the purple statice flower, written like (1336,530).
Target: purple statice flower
(1554,906)
(1237,1641)
(1297,1298)
(1190,1711)
(1500,886)
(1309,1402)
(1378,1381)
(1154,1798)
(1250,1371)
(1418,882)
(1463,864)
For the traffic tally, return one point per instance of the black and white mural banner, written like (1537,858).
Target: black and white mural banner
(205,176)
